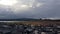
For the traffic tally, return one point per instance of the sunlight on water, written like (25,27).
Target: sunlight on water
(10,21)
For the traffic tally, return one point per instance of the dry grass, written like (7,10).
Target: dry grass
(37,22)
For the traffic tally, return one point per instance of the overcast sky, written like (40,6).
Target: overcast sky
(30,9)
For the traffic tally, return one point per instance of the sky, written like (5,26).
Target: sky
(12,9)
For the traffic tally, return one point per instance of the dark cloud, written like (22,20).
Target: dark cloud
(48,9)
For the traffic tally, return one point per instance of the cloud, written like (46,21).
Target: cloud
(25,5)
(8,2)
(32,9)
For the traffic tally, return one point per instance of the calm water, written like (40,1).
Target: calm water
(11,21)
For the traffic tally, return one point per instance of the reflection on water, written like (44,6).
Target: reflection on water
(9,21)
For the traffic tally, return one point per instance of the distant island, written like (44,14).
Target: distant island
(29,19)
